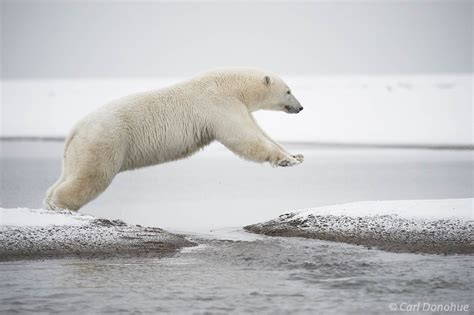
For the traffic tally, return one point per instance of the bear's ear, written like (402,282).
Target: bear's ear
(266,80)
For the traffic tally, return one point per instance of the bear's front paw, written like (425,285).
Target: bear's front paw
(299,157)
(289,161)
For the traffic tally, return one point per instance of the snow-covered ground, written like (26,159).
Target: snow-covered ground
(22,217)
(426,226)
(37,233)
(431,226)
(444,209)
(416,109)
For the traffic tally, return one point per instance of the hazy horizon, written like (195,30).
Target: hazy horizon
(60,39)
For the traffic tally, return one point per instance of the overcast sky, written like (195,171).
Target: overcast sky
(94,39)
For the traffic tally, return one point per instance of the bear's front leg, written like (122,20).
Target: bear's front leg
(273,154)
(240,134)
(286,161)
(260,150)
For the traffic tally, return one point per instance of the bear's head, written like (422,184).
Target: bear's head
(257,89)
(278,96)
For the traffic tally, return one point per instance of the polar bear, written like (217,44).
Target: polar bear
(159,126)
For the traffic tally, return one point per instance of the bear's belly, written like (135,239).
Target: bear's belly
(148,153)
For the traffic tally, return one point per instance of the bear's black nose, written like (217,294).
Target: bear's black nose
(300,109)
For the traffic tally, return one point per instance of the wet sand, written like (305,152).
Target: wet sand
(386,232)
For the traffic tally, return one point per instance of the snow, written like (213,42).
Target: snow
(24,217)
(415,226)
(38,233)
(415,109)
(441,209)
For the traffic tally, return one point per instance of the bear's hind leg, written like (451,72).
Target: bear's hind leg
(74,193)
(49,193)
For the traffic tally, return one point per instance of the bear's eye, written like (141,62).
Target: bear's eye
(288,92)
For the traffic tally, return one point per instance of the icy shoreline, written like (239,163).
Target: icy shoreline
(417,226)
(39,234)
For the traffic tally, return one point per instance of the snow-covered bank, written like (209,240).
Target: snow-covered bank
(23,217)
(424,226)
(38,233)
(443,209)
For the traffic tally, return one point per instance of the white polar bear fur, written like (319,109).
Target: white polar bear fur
(158,126)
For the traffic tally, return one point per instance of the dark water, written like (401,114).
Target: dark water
(265,275)
(233,271)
